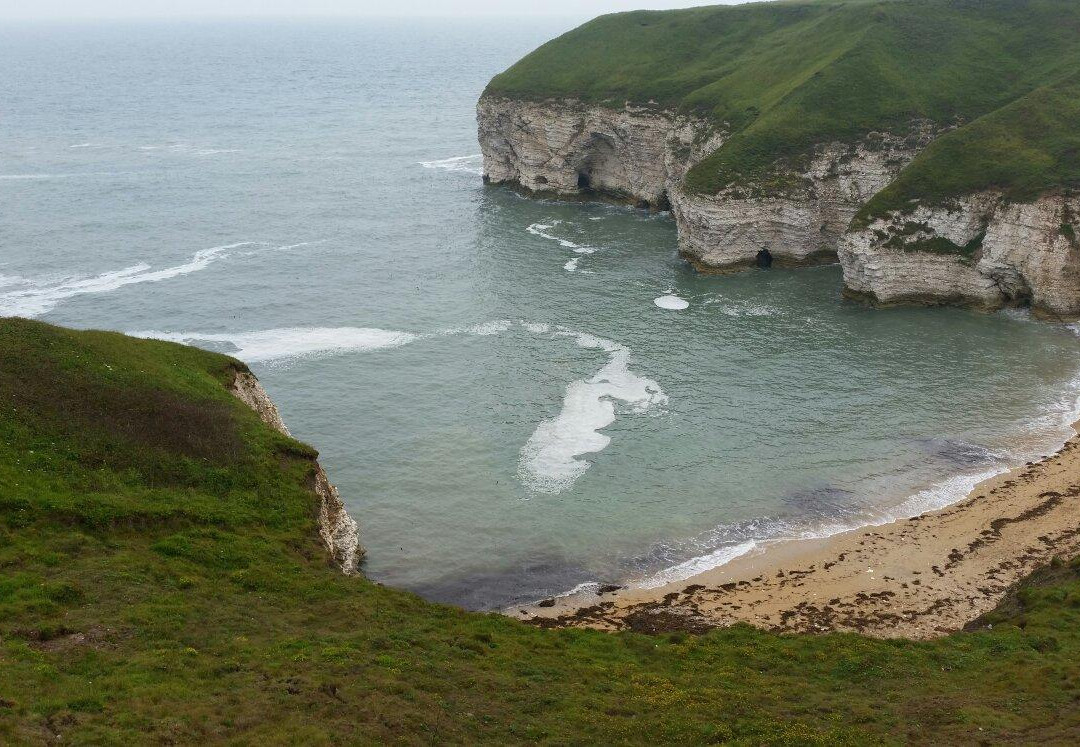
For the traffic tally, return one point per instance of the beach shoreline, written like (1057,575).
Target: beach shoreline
(921,577)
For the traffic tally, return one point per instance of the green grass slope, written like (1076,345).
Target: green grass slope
(783,77)
(161,581)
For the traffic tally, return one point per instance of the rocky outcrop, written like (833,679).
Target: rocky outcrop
(567,147)
(801,222)
(339,531)
(980,250)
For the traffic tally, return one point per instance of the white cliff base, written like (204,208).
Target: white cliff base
(339,531)
(981,250)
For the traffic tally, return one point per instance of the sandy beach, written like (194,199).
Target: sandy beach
(916,578)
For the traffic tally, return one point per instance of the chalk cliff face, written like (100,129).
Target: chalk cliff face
(338,530)
(1014,253)
(981,250)
(566,147)
(800,223)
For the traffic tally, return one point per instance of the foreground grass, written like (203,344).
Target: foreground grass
(783,77)
(162,582)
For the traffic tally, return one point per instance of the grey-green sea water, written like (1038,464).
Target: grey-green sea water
(489,380)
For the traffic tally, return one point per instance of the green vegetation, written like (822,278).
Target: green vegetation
(783,77)
(163,582)
(926,241)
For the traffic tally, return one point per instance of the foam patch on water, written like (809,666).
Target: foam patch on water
(674,303)
(291,342)
(542,229)
(742,308)
(464,164)
(34,298)
(571,264)
(549,460)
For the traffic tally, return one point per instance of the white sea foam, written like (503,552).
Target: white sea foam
(549,460)
(34,298)
(674,303)
(292,342)
(541,230)
(571,264)
(694,566)
(490,328)
(465,164)
(742,308)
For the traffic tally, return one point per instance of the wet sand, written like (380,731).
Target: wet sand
(915,578)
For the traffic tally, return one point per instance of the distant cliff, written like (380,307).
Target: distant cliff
(930,147)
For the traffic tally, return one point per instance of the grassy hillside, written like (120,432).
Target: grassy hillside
(785,76)
(162,582)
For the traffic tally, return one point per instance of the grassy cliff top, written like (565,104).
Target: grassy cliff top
(163,582)
(783,77)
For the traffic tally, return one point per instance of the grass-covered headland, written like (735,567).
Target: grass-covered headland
(784,77)
(162,582)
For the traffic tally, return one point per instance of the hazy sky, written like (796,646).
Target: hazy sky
(72,9)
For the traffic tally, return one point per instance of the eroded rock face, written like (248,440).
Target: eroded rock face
(339,531)
(998,253)
(567,147)
(801,225)
(1013,254)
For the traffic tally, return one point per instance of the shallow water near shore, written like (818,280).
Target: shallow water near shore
(514,396)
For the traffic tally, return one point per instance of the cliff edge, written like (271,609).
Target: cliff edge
(339,532)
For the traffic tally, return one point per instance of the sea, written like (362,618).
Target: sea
(516,397)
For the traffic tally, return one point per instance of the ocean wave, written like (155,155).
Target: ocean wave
(291,342)
(464,164)
(541,230)
(38,297)
(549,460)
(694,566)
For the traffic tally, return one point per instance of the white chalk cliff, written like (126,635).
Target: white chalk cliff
(1005,253)
(338,531)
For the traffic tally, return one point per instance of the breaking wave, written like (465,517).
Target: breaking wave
(464,164)
(33,298)
(291,342)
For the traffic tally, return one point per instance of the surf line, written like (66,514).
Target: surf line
(32,298)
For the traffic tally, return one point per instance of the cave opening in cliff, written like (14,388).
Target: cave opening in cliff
(764,258)
(583,181)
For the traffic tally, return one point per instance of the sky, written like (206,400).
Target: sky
(87,9)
